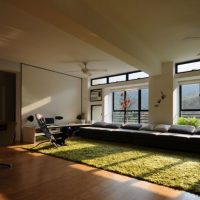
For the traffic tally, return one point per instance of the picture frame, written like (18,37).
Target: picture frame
(96,95)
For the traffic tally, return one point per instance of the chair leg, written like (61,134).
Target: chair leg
(41,143)
(5,165)
(53,142)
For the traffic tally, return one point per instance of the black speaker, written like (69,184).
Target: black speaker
(30,118)
(58,117)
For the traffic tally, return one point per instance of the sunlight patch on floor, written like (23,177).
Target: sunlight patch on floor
(161,190)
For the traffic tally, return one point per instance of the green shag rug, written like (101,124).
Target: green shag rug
(168,168)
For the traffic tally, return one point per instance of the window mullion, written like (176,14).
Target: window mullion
(125,107)
(139,105)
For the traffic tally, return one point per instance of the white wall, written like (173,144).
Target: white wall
(50,94)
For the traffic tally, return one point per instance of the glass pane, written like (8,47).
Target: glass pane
(144,99)
(144,117)
(132,100)
(118,117)
(97,113)
(137,75)
(118,100)
(188,67)
(99,81)
(131,117)
(195,114)
(119,78)
(191,96)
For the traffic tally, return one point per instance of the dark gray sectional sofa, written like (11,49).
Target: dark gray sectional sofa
(175,137)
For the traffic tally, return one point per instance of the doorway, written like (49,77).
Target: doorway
(7,96)
(96,113)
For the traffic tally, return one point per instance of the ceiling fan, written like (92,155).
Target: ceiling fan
(86,70)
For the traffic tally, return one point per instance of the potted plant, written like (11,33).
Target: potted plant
(81,117)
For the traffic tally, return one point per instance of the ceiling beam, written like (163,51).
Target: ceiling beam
(81,21)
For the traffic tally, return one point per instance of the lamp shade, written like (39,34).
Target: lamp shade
(58,117)
(30,118)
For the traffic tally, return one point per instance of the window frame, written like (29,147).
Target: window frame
(116,76)
(177,65)
(135,78)
(97,79)
(139,110)
(107,78)
(180,101)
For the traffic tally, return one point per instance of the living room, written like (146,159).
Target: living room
(82,57)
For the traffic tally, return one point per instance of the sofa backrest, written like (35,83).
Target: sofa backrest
(182,129)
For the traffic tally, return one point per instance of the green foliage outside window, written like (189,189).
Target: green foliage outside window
(189,121)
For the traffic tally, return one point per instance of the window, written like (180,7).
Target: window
(99,81)
(133,96)
(137,75)
(144,99)
(119,77)
(130,106)
(113,79)
(117,96)
(188,66)
(190,100)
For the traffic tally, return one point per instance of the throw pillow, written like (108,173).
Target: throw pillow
(197,131)
(147,127)
(100,124)
(132,126)
(184,129)
(113,125)
(162,128)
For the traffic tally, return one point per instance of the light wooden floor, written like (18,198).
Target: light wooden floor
(39,177)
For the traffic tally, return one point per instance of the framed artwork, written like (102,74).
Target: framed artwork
(96,95)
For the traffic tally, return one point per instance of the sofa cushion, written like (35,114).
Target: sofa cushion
(162,128)
(147,127)
(184,129)
(100,124)
(197,132)
(132,126)
(113,125)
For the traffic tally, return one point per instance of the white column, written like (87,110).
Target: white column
(85,99)
(107,106)
(163,113)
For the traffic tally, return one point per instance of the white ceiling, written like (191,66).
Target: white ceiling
(141,33)
(27,39)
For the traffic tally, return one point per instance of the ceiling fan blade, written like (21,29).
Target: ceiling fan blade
(73,71)
(83,65)
(100,70)
(88,73)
